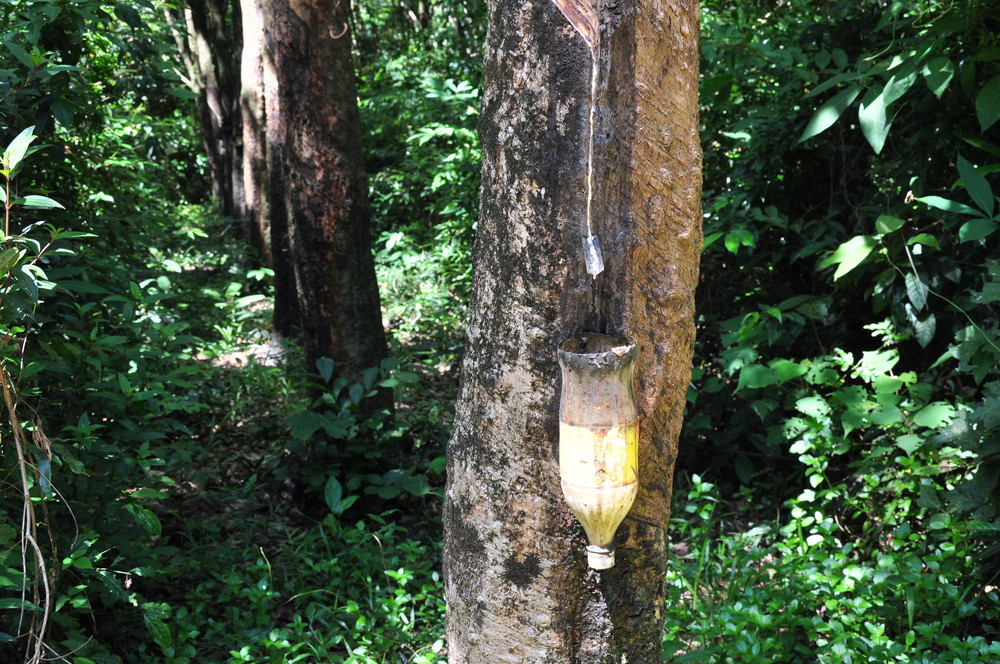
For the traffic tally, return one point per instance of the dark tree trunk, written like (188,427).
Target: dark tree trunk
(209,48)
(253,71)
(518,586)
(318,187)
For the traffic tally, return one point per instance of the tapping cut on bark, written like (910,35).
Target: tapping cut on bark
(583,16)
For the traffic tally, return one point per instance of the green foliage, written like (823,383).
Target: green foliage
(357,592)
(848,324)
(419,101)
(344,443)
(804,588)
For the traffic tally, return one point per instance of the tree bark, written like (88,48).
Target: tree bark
(209,48)
(318,192)
(517,583)
(253,71)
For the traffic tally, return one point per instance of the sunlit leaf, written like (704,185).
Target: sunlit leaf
(908,442)
(14,153)
(36,202)
(813,406)
(873,120)
(850,254)
(935,415)
(787,370)
(830,112)
(886,224)
(946,204)
(925,239)
(938,73)
(886,415)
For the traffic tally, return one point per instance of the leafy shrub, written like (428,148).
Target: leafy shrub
(803,588)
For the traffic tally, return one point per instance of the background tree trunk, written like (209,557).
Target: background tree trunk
(253,69)
(209,38)
(516,577)
(318,192)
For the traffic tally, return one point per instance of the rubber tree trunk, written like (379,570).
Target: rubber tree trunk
(318,189)
(253,69)
(209,47)
(518,586)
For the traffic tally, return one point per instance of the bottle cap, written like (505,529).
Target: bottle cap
(600,557)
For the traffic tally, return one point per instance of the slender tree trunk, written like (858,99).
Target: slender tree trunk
(318,187)
(518,586)
(253,69)
(209,47)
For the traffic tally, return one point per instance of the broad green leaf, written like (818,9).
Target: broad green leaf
(70,235)
(935,415)
(939,521)
(183,93)
(885,415)
(786,369)
(946,204)
(839,57)
(886,224)
(737,238)
(754,376)
(875,363)
(873,120)
(938,73)
(324,366)
(976,229)
(916,290)
(305,424)
(925,239)
(35,202)
(8,258)
(333,494)
(14,153)
(850,254)
(988,104)
(897,86)
(924,329)
(822,58)
(908,442)
(369,377)
(814,406)
(977,186)
(830,112)
(710,239)
(147,519)
(153,615)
